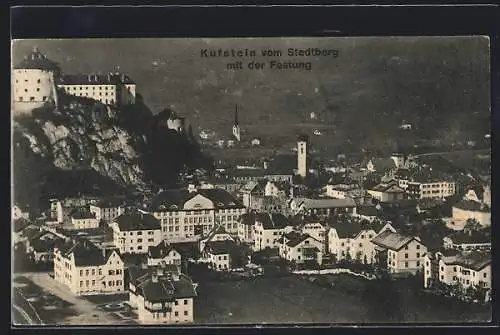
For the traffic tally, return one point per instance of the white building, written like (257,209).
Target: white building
(85,269)
(316,230)
(246,233)
(403,254)
(107,209)
(353,240)
(465,268)
(83,219)
(163,253)
(470,209)
(161,297)
(185,214)
(387,192)
(322,207)
(468,240)
(341,191)
(300,248)
(269,229)
(110,89)
(221,255)
(134,233)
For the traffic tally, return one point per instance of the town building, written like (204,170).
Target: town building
(420,183)
(315,228)
(112,89)
(61,209)
(268,230)
(387,192)
(368,213)
(342,191)
(222,255)
(134,233)
(83,219)
(246,233)
(468,240)
(186,214)
(218,233)
(163,253)
(40,247)
(467,269)
(85,269)
(400,253)
(467,209)
(300,248)
(107,210)
(322,207)
(352,240)
(160,296)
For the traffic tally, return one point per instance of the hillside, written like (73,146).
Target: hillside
(84,147)
(441,85)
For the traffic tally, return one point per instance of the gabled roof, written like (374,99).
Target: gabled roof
(40,244)
(248,219)
(82,214)
(354,228)
(475,260)
(388,188)
(86,253)
(109,203)
(296,240)
(272,221)
(393,241)
(470,237)
(176,198)
(367,210)
(328,203)
(137,221)
(161,250)
(37,60)
(469,205)
(162,287)
(222,247)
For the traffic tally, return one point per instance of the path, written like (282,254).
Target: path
(87,313)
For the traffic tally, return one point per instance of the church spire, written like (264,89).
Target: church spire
(236,123)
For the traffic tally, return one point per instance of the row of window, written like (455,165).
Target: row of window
(406,264)
(111,283)
(21,99)
(74,88)
(99,272)
(176,313)
(138,233)
(139,240)
(38,81)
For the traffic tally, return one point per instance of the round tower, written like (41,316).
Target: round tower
(33,82)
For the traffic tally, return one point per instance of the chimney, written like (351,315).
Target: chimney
(123,78)
(266,165)
(103,253)
(89,78)
(109,77)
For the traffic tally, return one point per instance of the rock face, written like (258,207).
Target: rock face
(83,134)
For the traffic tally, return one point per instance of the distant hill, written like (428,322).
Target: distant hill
(440,85)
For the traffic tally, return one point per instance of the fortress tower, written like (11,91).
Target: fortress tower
(33,82)
(236,126)
(302,156)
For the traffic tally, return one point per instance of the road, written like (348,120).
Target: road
(23,311)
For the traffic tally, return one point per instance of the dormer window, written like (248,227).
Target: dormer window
(173,207)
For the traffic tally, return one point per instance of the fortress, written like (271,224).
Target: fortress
(36,79)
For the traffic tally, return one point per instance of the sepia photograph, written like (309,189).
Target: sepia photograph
(251,181)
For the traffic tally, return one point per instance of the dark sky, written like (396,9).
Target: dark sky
(375,76)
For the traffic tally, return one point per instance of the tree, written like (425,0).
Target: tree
(472,225)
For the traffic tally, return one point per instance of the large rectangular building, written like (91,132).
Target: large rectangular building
(186,214)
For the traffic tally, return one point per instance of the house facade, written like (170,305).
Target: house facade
(82,219)
(185,214)
(246,233)
(107,209)
(162,297)
(404,254)
(134,233)
(85,269)
(268,230)
(300,248)
(163,253)
(387,192)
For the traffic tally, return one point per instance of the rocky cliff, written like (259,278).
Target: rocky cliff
(83,146)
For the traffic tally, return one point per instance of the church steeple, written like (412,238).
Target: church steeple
(236,126)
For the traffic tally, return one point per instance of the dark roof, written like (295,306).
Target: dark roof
(175,199)
(328,203)
(296,240)
(137,221)
(272,221)
(353,228)
(470,237)
(221,247)
(110,203)
(95,79)
(248,219)
(367,210)
(475,260)
(164,288)
(37,60)
(161,250)
(303,137)
(81,214)
(393,241)
(86,253)
(41,244)
(470,205)
(388,187)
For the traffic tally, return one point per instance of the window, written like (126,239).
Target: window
(81,283)
(139,247)
(484,275)
(176,313)
(406,255)
(93,282)
(418,255)
(100,272)
(418,263)
(32,98)
(150,233)
(361,245)
(87,283)
(406,264)
(176,302)
(111,272)
(151,239)
(139,240)
(185,312)
(139,233)
(110,283)
(81,272)
(406,247)
(93,272)
(185,302)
